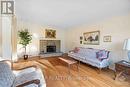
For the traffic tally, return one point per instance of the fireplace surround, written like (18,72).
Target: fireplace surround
(49,46)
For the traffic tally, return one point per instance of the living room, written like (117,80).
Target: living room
(62,31)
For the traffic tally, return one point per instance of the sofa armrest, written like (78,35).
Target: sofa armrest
(105,63)
(36,81)
(71,51)
(33,66)
(7,61)
(25,70)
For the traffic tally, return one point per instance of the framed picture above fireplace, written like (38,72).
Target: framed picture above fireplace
(49,33)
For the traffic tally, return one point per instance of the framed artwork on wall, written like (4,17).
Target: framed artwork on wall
(92,38)
(81,42)
(81,39)
(107,39)
(49,33)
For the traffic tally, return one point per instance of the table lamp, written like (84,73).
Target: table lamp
(127,47)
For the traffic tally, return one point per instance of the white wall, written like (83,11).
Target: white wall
(6,37)
(38,32)
(0,36)
(118,27)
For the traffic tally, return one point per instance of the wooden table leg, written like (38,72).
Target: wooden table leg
(69,68)
(117,75)
(78,66)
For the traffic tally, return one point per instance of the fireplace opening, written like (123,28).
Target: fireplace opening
(51,49)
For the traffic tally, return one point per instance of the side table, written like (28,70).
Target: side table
(122,67)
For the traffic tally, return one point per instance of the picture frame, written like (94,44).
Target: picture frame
(49,33)
(92,38)
(107,39)
(81,42)
(81,38)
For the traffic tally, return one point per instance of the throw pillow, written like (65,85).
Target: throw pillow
(102,54)
(76,50)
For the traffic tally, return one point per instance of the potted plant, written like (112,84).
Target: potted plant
(24,39)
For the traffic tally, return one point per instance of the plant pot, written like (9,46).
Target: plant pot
(25,57)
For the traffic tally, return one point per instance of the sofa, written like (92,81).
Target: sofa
(27,77)
(89,56)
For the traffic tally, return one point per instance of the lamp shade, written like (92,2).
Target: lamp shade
(127,44)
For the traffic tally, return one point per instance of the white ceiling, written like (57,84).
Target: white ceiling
(69,13)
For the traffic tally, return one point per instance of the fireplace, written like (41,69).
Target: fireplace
(50,46)
(51,49)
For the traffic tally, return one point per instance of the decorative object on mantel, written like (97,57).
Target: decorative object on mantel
(107,39)
(81,39)
(24,39)
(49,33)
(92,38)
(127,47)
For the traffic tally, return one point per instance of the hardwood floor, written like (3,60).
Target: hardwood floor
(56,74)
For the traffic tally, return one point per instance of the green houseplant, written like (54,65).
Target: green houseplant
(24,39)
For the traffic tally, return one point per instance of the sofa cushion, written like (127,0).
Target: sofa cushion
(90,53)
(6,75)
